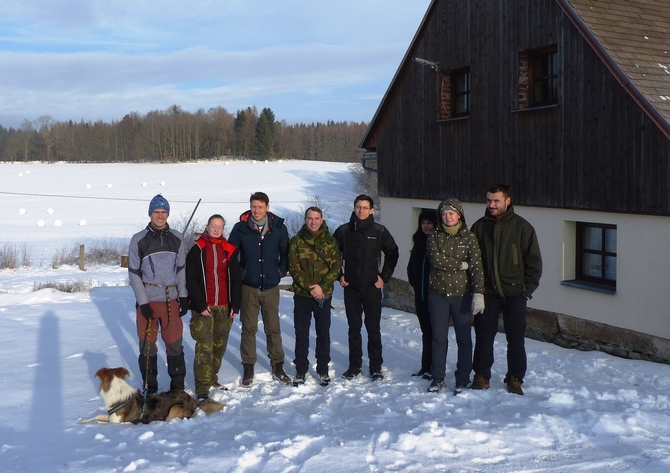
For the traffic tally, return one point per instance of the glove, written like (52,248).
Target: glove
(477,304)
(464,266)
(147,311)
(183,306)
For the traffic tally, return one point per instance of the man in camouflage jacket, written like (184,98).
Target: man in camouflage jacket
(314,264)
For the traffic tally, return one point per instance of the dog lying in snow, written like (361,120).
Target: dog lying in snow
(126,404)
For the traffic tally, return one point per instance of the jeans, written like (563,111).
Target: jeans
(486,328)
(303,308)
(458,308)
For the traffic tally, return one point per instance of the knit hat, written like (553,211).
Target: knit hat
(159,202)
(451,204)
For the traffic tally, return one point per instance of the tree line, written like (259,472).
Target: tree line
(175,135)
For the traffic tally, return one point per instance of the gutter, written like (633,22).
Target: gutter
(614,68)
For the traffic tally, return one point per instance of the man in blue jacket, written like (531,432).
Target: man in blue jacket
(156,271)
(362,242)
(262,239)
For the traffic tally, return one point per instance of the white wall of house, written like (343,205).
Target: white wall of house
(642,299)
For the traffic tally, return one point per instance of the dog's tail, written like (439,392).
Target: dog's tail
(210,406)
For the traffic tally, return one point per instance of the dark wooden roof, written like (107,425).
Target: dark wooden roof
(633,38)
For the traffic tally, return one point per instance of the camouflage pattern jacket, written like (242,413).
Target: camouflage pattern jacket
(313,259)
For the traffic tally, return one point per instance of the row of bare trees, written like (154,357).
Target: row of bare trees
(175,135)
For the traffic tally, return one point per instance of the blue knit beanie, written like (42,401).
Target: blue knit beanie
(159,202)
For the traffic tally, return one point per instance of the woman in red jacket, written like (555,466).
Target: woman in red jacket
(214,283)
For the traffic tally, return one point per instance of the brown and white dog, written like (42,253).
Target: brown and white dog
(126,404)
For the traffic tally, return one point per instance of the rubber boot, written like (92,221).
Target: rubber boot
(150,380)
(177,371)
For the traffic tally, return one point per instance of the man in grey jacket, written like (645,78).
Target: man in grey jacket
(156,264)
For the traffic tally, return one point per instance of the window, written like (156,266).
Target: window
(460,92)
(454,94)
(596,254)
(544,77)
(538,77)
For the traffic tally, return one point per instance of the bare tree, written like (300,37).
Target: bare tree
(44,125)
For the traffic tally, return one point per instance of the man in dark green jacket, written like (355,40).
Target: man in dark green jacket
(512,269)
(314,264)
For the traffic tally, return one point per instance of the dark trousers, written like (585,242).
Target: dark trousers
(486,328)
(303,308)
(355,303)
(426,332)
(458,308)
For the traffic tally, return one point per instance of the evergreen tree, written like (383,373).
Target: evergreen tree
(266,130)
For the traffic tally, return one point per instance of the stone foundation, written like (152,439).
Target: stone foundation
(563,330)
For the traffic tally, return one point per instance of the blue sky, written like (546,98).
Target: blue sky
(99,60)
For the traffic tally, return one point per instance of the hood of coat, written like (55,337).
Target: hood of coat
(451,204)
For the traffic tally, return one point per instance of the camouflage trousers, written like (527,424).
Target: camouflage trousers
(211,339)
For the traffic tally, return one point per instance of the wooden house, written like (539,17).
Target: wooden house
(568,102)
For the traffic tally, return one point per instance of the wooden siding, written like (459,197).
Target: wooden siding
(595,150)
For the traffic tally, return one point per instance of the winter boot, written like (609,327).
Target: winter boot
(514,385)
(480,382)
(150,380)
(436,386)
(300,379)
(248,376)
(177,371)
(279,374)
(351,373)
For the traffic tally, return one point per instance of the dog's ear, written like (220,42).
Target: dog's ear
(100,373)
(120,372)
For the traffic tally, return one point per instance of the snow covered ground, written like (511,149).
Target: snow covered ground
(583,411)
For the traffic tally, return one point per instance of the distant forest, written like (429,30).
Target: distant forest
(175,135)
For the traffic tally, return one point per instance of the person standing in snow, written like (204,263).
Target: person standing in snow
(262,239)
(456,291)
(362,242)
(418,272)
(214,283)
(512,267)
(314,265)
(156,271)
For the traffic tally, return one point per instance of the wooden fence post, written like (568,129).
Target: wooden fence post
(82,258)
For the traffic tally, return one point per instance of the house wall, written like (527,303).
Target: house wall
(641,303)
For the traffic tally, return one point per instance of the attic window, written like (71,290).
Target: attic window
(454,94)
(538,77)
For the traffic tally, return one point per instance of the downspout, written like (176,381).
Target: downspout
(614,68)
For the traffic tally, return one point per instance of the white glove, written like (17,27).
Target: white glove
(477,304)
(464,266)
